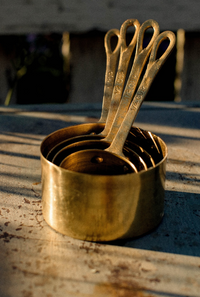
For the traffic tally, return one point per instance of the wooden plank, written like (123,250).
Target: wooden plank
(37,261)
(191,69)
(79,16)
(88,65)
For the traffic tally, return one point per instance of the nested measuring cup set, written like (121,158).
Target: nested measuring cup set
(105,181)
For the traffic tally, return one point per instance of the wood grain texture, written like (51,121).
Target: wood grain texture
(38,261)
(79,16)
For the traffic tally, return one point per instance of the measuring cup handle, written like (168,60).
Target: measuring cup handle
(152,69)
(140,49)
(142,54)
(111,65)
(123,33)
(163,36)
(125,56)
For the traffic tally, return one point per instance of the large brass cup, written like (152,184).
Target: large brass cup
(101,208)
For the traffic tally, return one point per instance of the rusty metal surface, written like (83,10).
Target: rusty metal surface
(36,260)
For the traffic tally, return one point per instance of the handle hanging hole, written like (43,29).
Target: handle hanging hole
(162,48)
(113,42)
(147,36)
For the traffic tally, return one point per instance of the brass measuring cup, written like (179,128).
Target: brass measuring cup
(111,97)
(103,208)
(112,161)
(140,59)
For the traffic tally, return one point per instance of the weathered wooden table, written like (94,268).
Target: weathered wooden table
(37,261)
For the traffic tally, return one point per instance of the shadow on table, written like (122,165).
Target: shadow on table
(166,115)
(179,231)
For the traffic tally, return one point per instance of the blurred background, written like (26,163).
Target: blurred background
(52,51)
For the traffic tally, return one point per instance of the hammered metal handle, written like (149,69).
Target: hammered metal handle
(141,56)
(125,56)
(153,67)
(112,57)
